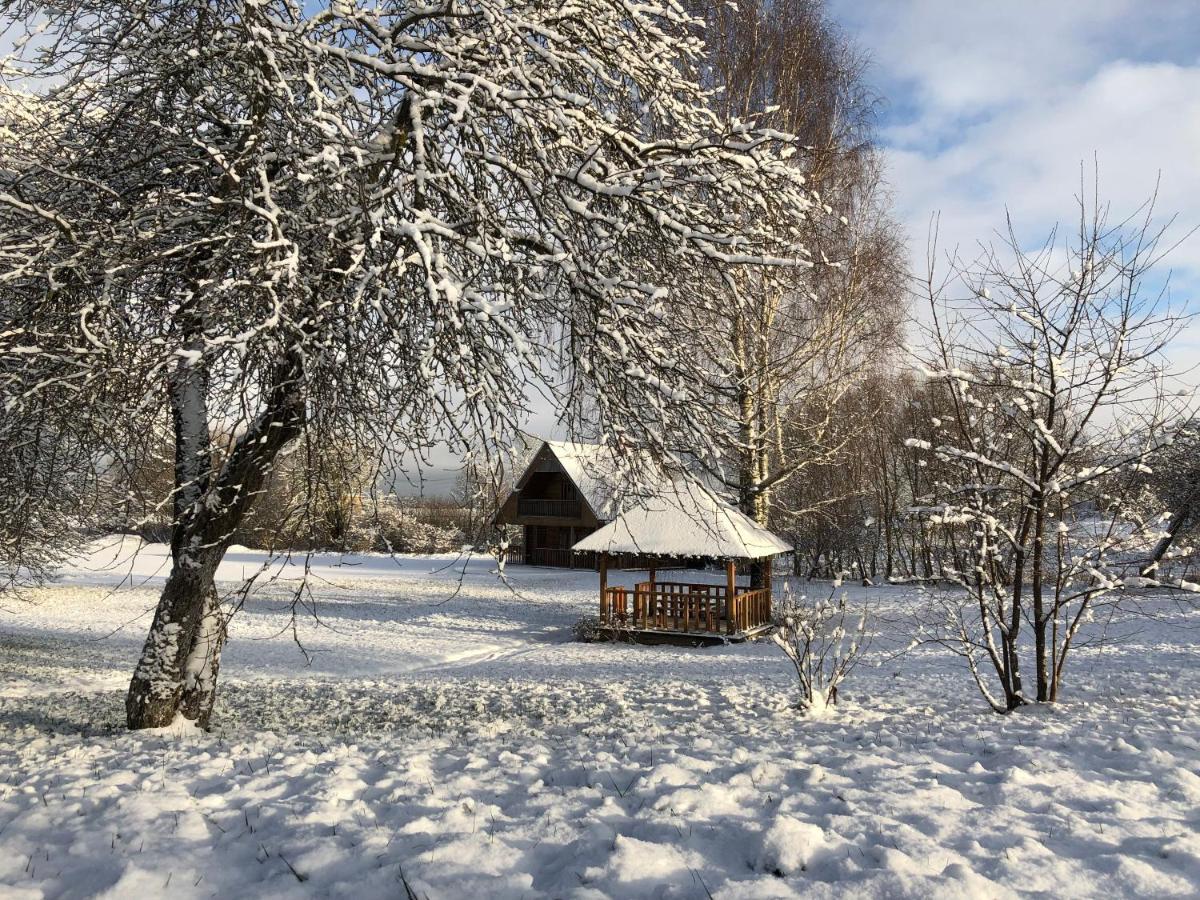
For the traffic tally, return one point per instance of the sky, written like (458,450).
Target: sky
(989,107)
(993,106)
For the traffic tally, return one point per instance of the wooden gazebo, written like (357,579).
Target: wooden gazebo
(685,524)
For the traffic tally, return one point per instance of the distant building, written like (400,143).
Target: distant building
(563,496)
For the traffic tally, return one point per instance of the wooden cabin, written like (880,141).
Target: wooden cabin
(560,498)
(684,525)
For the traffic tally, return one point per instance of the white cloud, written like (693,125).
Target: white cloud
(1136,120)
(994,107)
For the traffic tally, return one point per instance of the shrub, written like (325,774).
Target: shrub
(814,636)
(587,630)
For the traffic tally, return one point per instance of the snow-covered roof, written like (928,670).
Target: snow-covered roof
(594,472)
(591,468)
(686,520)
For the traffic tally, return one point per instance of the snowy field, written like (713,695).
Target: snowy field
(445,733)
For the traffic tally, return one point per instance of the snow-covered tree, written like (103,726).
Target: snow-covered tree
(789,357)
(1174,483)
(1056,394)
(47,481)
(47,471)
(388,221)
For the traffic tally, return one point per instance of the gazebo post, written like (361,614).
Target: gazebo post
(768,565)
(604,588)
(642,604)
(731,595)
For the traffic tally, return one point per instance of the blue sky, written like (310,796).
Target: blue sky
(994,105)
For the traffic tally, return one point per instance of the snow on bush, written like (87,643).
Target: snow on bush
(587,630)
(814,636)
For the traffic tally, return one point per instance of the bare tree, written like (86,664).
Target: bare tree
(1056,395)
(387,223)
(790,354)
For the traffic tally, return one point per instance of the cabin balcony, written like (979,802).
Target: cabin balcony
(550,509)
(670,611)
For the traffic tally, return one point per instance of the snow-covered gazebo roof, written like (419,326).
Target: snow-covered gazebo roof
(686,520)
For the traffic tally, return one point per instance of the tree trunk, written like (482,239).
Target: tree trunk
(158,686)
(751,501)
(1040,620)
(177,672)
(1013,693)
(203,663)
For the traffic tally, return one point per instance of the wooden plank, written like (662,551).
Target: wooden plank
(731,596)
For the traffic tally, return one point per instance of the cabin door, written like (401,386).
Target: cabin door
(551,546)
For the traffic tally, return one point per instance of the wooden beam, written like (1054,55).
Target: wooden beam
(604,587)
(731,595)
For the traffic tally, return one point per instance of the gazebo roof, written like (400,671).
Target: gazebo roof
(686,520)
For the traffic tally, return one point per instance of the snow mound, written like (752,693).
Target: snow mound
(789,845)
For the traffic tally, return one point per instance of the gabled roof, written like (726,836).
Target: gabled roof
(685,520)
(590,467)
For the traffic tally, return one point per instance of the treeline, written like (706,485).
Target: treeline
(862,510)
(316,498)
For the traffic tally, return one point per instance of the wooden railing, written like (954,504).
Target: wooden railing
(750,610)
(546,556)
(559,509)
(549,556)
(683,587)
(673,606)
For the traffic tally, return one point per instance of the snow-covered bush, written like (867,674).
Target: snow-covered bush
(823,649)
(401,530)
(587,630)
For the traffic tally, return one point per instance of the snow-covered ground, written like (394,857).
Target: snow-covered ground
(444,732)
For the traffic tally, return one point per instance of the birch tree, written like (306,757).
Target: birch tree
(793,348)
(1057,395)
(387,221)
